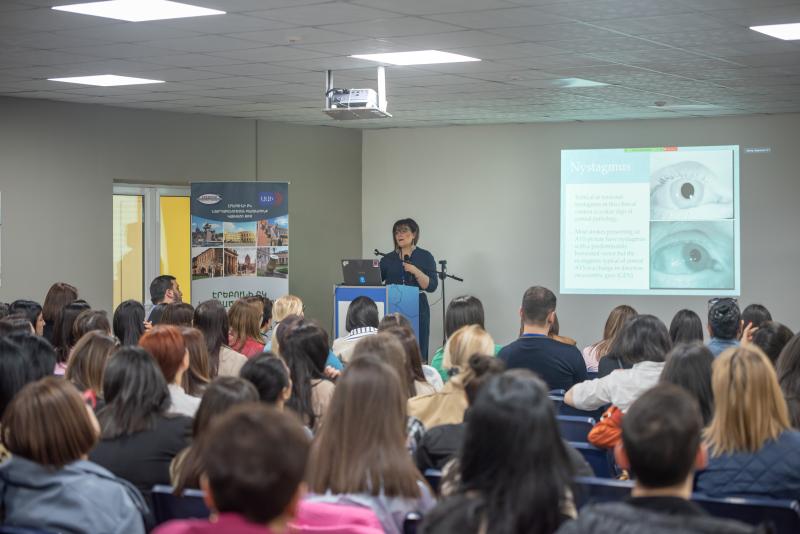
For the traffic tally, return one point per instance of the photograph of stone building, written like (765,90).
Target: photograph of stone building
(206,263)
(205,232)
(240,233)
(273,232)
(240,261)
(273,262)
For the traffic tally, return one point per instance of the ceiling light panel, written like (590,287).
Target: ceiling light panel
(105,80)
(418,57)
(139,10)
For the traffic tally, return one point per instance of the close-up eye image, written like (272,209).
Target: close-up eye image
(699,186)
(692,255)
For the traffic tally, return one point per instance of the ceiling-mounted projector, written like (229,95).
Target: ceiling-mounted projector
(350,104)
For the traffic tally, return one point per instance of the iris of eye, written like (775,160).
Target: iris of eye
(696,257)
(687,191)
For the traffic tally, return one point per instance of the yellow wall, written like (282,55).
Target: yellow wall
(128,249)
(176,242)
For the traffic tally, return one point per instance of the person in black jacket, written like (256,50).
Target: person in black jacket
(662,449)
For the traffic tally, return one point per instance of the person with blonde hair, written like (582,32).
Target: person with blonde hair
(245,323)
(753,451)
(292,306)
(616,319)
(448,405)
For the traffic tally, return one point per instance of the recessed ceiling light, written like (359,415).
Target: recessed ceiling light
(139,10)
(105,80)
(787,32)
(569,83)
(418,57)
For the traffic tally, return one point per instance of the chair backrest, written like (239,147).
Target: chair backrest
(167,506)
(782,515)
(566,409)
(411,523)
(575,428)
(592,490)
(434,478)
(557,392)
(591,375)
(599,459)
(9,529)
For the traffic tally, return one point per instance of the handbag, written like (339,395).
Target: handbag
(608,430)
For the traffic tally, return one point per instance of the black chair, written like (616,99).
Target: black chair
(557,393)
(167,506)
(9,529)
(566,409)
(599,459)
(592,375)
(575,428)
(782,515)
(592,490)
(411,523)
(434,478)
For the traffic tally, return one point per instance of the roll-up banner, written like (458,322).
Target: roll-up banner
(240,240)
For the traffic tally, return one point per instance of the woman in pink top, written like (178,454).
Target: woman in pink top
(617,318)
(245,323)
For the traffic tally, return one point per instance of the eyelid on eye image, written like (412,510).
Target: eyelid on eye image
(689,190)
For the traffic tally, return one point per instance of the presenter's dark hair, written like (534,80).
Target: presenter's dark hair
(724,319)
(463,311)
(159,287)
(524,486)
(128,322)
(771,337)
(268,374)
(412,225)
(689,366)
(642,338)
(686,327)
(28,308)
(39,354)
(362,312)
(662,444)
(537,303)
(135,392)
(757,314)
(211,319)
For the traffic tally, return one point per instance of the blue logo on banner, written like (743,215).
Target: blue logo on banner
(362,279)
(270,199)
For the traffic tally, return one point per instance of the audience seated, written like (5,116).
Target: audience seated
(32,311)
(265,305)
(689,366)
(58,296)
(87,364)
(90,320)
(753,450)
(596,351)
(165,344)
(222,394)
(211,319)
(462,311)
(756,315)
(361,320)
(387,348)
(40,357)
(14,371)
(195,380)
(662,448)
(643,342)
(305,351)
(553,333)
(358,456)
(290,306)
(415,376)
(255,458)
(788,371)
(771,337)
(507,484)
(164,289)
(447,406)
(178,314)
(245,322)
(138,438)
(560,365)
(724,325)
(15,323)
(64,333)
(128,322)
(4,310)
(442,442)
(270,376)
(394,319)
(48,484)
(686,327)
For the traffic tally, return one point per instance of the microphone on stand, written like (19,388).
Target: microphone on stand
(406,259)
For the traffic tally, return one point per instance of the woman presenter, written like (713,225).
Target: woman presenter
(412,266)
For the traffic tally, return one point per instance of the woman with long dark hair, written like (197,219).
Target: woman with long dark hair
(526,488)
(64,334)
(128,322)
(139,438)
(689,366)
(211,319)
(305,351)
(59,295)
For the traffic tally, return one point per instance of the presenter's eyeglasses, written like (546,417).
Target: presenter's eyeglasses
(402,230)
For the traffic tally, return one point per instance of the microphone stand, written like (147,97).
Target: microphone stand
(443,276)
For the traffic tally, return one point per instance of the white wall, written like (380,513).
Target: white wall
(487,200)
(58,163)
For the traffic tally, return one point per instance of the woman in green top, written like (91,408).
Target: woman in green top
(462,311)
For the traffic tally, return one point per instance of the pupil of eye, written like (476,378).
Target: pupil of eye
(695,255)
(687,191)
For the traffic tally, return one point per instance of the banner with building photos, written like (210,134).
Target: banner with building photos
(240,240)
